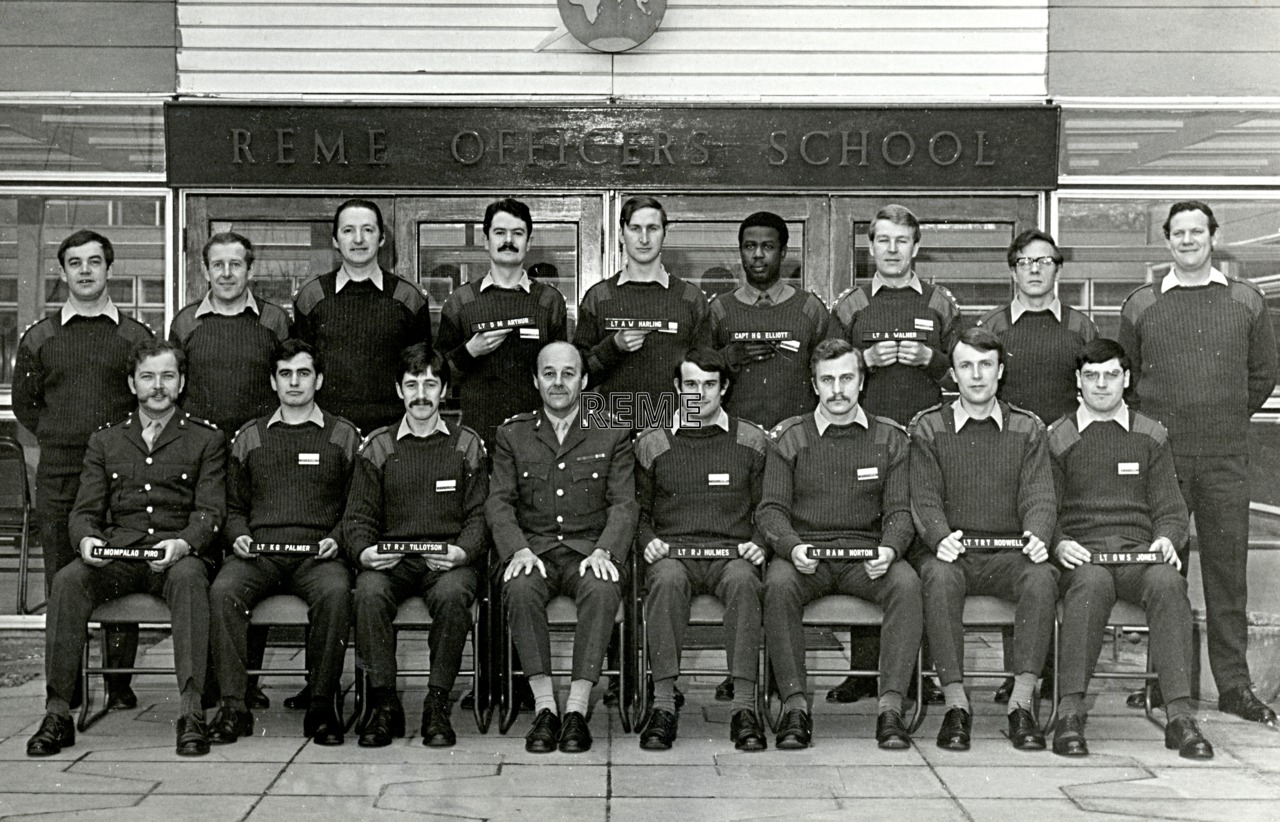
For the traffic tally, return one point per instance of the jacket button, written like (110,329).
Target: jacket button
(559,492)
(559,519)
(595,475)
(150,509)
(149,460)
(562,466)
(151,530)
(147,487)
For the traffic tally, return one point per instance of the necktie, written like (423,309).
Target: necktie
(562,430)
(150,432)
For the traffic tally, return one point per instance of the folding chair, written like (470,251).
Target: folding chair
(15,514)
(1128,616)
(134,609)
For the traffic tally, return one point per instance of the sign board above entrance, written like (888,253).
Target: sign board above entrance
(559,147)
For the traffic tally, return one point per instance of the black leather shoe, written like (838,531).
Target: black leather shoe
(724,691)
(852,689)
(322,726)
(1068,736)
(255,699)
(891,731)
(1024,733)
(795,732)
(384,724)
(1182,734)
(957,726)
(1245,705)
(1138,699)
(677,695)
(193,736)
(229,724)
(575,737)
(746,731)
(545,733)
(659,733)
(468,701)
(122,698)
(437,732)
(523,693)
(932,693)
(56,732)
(300,701)
(1002,694)
(611,691)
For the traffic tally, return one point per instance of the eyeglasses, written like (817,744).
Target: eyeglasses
(1100,376)
(1025,263)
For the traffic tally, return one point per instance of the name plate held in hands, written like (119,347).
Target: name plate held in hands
(702,552)
(1126,558)
(994,543)
(107,552)
(433,548)
(284,548)
(842,552)
(893,336)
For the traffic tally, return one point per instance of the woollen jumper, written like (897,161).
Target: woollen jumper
(847,486)
(900,391)
(359,332)
(1116,489)
(289,483)
(700,486)
(1203,361)
(428,489)
(982,480)
(498,385)
(770,391)
(1040,358)
(71,379)
(229,362)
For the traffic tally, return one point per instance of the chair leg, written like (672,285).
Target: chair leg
(508,709)
(482,706)
(625,701)
(1147,708)
(917,713)
(1053,710)
(86,719)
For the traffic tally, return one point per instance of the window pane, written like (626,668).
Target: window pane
(286,255)
(706,254)
(81,139)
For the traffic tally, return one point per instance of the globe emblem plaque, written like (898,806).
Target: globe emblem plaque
(612,25)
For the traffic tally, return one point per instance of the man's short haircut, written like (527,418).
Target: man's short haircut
(1100,350)
(765,219)
(833,349)
(417,358)
(154,347)
(508,205)
(634,204)
(708,360)
(898,215)
(980,338)
(81,237)
(1025,239)
(356,202)
(286,350)
(229,238)
(1190,205)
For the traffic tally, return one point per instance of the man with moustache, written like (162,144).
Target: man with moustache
(155,481)
(1204,361)
(562,508)
(421,484)
(359,318)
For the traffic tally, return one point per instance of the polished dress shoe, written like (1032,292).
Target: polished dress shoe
(795,732)
(932,693)
(1024,733)
(1068,736)
(1242,702)
(891,731)
(575,736)
(677,694)
(545,733)
(852,689)
(384,724)
(1183,735)
(122,698)
(255,699)
(56,732)
(193,736)
(322,726)
(1138,699)
(1002,694)
(468,701)
(300,701)
(437,732)
(746,731)
(724,691)
(229,724)
(659,733)
(957,726)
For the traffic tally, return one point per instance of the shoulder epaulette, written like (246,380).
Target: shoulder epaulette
(406,292)
(470,443)
(1021,413)
(248,437)
(948,300)
(786,425)
(1079,323)
(311,293)
(1063,435)
(911,426)
(1140,423)
(523,416)
(986,320)
(1139,302)
(752,436)
(889,422)
(200,421)
(275,318)
(649,445)
(343,433)
(35,335)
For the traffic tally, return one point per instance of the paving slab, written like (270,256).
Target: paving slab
(785,810)
(394,806)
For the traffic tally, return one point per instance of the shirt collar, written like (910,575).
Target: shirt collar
(144,420)
(109,311)
(878,282)
(1017,308)
(1171,280)
(824,422)
(315,416)
(962,416)
(207,306)
(1085,417)
(663,279)
(721,421)
(344,278)
(404,430)
(523,283)
(778,292)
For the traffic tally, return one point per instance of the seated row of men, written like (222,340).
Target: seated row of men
(976,499)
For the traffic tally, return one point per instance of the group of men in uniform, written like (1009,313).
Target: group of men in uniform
(866,484)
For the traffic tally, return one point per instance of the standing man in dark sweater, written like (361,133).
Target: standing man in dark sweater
(698,483)
(767,329)
(1204,361)
(421,484)
(837,478)
(491,331)
(983,501)
(70,379)
(359,318)
(1118,499)
(287,486)
(562,508)
(633,325)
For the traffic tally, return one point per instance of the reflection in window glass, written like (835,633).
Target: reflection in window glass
(83,138)
(286,255)
(706,254)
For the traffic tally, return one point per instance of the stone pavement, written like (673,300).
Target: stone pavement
(124,767)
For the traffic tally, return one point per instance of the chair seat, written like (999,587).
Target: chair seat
(1128,614)
(562,612)
(706,610)
(280,609)
(132,608)
(988,611)
(842,609)
(413,611)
